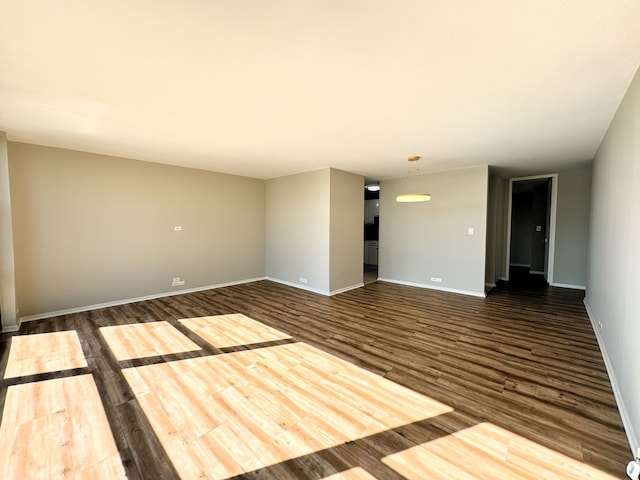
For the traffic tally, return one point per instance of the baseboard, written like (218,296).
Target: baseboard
(86,308)
(433,287)
(316,290)
(632,436)
(528,265)
(346,289)
(10,328)
(300,286)
(566,285)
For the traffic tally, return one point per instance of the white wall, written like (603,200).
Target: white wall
(91,229)
(612,296)
(430,239)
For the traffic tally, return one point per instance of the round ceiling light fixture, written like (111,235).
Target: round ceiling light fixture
(413,197)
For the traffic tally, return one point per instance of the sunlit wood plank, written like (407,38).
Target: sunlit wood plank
(65,433)
(490,452)
(141,340)
(44,353)
(231,330)
(271,404)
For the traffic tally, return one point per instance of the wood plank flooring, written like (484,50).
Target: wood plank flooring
(232,330)
(43,353)
(515,382)
(220,416)
(145,340)
(57,429)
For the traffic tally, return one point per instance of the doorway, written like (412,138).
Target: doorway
(531,230)
(371,233)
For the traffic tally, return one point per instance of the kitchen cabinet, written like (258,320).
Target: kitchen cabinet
(371,208)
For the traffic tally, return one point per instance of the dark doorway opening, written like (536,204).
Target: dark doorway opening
(530,227)
(371,235)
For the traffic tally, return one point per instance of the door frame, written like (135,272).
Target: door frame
(552,222)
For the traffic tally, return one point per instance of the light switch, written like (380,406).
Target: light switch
(470,231)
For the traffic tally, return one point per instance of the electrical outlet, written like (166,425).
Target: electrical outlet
(177,228)
(176,282)
(303,280)
(436,279)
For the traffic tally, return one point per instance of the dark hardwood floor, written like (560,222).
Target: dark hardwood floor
(524,360)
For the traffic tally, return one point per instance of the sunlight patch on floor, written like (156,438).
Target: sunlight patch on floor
(232,330)
(142,340)
(489,452)
(238,412)
(57,429)
(44,353)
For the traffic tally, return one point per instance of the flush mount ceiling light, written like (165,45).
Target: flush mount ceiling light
(373,188)
(413,197)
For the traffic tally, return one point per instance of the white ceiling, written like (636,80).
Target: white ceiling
(266,88)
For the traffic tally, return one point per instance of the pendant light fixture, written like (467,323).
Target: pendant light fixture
(413,197)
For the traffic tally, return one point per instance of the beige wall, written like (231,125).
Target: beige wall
(91,229)
(572,228)
(495,230)
(614,257)
(297,229)
(423,240)
(314,230)
(8,307)
(346,230)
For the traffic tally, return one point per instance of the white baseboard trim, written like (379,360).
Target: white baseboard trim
(566,285)
(346,289)
(433,287)
(300,286)
(10,328)
(316,290)
(632,436)
(86,308)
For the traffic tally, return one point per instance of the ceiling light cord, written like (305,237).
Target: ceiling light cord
(414,170)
